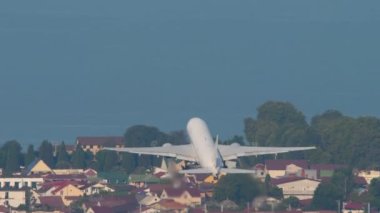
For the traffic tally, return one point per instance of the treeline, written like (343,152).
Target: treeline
(339,139)
(12,158)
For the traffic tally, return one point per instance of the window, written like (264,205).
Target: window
(6,195)
(7,184)
(17,185)
(25,184)
(34,185)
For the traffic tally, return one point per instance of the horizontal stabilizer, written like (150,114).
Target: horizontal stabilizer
(196,171)
(236,171)
(222,170)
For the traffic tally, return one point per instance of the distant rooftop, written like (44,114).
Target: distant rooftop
(103,141)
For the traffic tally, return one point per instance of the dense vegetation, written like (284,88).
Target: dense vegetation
(339,139)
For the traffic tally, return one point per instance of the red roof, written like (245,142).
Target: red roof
(353,206)
(277,181)
(103,141)
(259,166)
(282,164)
(52,201)
(176,192)
(90,173)
(64,177)
(101,209)
(171,204)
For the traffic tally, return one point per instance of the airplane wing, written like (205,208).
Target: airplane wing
(233,151)
(182,152)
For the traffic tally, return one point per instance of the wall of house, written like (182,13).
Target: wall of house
(276,173)
(12,198)
(15,182)
(40,167)
(369,175)
(302,189)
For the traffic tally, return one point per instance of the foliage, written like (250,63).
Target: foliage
(326,196)
(339,139)
(240,188)
(78,159)
(374,192)
(46,153)
(63,157)
(13,157)
(280,124)
(30,155)
(143,136)
(106,160)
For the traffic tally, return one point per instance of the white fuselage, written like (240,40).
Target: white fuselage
(203,144)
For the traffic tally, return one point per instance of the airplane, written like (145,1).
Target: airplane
(202,150)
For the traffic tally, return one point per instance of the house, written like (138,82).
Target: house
(53,202)
(279,168)
(90,172)
(19,182)
(66,190)
(186,196)
(65,177)
(368,175)
(169,205)
(95,144)
(353,207)
(67,171)
(110,203)
(95,188)
(12,197)
(37,166)
(300,187)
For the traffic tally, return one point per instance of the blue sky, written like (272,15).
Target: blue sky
(70,68)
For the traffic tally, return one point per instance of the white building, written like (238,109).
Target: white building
(300,187)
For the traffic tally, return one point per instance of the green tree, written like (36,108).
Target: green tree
(280,124)
(374,192)
(291,201)
(13,157)
(78,159)
(45,153)
(240,188)
(63,158)
(326,196)
(111,160)
(30,155)
(142,136)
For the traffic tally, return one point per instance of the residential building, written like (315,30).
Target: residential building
(19,182)
(95,144)
(12,197)
(300,187)
(186,196)
(37,167)
(368,175)
(279,168)
(353,207)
